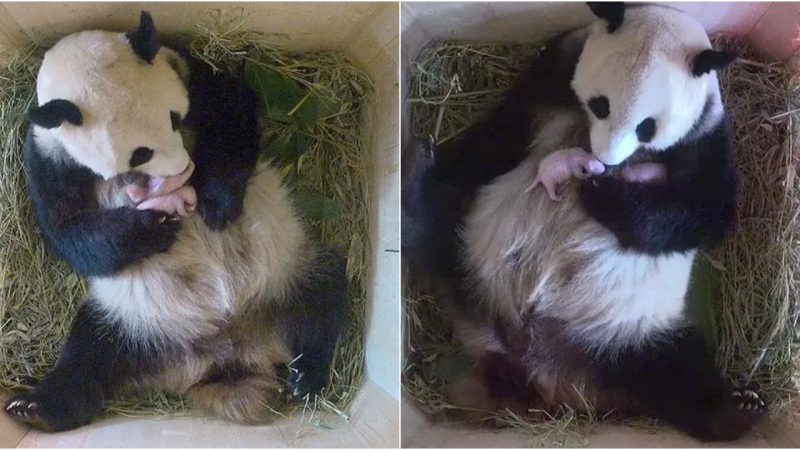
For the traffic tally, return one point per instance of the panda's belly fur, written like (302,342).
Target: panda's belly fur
(208,279)
(528,254)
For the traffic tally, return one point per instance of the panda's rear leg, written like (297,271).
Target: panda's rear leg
(494,385)
(677,381)
(242,398)
(96,361)
(314,321)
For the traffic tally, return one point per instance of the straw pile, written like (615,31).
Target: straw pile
(745,292)
(39,294)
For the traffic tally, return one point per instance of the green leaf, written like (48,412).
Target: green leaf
(317,105)
(287,147)
(277,94)
(283,99)
(316,206)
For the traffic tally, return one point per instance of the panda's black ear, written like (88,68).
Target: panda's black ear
(611,12)
(144,40)
(55,112)
(709,60)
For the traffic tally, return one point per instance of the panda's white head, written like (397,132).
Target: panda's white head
(113,102)
(647,79)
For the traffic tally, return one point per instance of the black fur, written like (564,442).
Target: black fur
(695,208)
(94,241)
(314,320)
(709,60)
(53,113)
(611,12)
(96,361)
(676,380)
(144,41)
(224,161)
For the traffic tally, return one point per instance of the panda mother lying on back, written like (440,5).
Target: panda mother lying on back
(581,302)
(212,305)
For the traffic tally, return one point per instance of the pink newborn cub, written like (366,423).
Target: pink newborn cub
(166,194)
(559,166)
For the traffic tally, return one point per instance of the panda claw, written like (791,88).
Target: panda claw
(748,400)
(162,219)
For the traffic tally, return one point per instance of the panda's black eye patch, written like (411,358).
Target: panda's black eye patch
(599,106)
(140,156)
(646,130)
(175,118)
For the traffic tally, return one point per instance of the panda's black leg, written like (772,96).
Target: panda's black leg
(677,381)
(224,116)
(96,360)
(314,323)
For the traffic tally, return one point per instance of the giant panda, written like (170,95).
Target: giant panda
(581,303)
(216,305)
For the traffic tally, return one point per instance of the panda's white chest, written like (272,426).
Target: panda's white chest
(526,252)
(178,296)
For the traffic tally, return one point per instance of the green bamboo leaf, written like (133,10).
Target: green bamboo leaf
(277,94)
(316,206)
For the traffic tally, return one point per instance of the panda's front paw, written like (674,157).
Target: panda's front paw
(157,231)
(218,204)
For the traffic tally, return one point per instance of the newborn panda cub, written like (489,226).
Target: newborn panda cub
(170,195)
(558,167)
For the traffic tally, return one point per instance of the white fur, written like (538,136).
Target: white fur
(644,69)
(188,293)
(568,267)
(99,72)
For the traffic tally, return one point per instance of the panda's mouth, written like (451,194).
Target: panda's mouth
(159,186)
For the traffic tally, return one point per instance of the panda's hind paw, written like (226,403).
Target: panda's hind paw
(310,381)
(748,400)
(25,410)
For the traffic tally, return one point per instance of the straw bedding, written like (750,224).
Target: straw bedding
(39,294)
(745,293)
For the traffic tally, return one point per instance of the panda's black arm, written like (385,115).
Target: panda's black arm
(224,115)
(93,241)
(662,218)
(695,208)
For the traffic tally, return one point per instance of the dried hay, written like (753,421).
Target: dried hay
(39,294)
(754,320)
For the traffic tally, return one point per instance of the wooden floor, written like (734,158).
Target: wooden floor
(374,422)
(419,432)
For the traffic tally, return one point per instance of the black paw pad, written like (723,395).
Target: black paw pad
(23,410)
(748,400)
